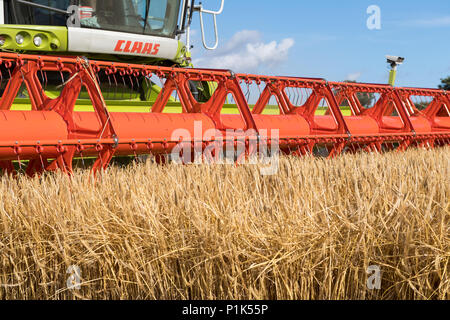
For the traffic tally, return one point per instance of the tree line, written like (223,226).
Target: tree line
(368,99)
(445,84)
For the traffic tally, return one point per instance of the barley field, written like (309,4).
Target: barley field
(312,231)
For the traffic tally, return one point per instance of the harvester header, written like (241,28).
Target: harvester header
(52,133)
(111,82)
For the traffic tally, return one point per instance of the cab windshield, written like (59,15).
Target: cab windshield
(150,17)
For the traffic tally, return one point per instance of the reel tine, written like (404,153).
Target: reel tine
(82,160)
(46,80)
(299,96)
(247,94)
(42,162)
(124,86)
(20,163)
(296,92)
(132,87)
(62,78)
(147,82)
(9,72)
(163,83)
(293,91)
(97,76)
(109,80)
(288,91)
(137,83)
(115,86)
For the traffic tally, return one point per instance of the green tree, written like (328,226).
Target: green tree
(422,105)
(366,99)
(445,84)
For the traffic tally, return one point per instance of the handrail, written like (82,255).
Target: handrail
(201,11)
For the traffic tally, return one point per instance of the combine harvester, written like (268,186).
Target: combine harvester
(100,79)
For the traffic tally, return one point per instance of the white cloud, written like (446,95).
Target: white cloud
(353,76)
(246,52)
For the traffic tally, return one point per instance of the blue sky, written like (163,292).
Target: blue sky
(330,39)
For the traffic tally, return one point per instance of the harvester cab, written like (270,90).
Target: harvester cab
(112,30)
(147,32)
